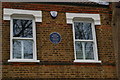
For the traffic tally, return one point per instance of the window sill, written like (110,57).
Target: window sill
(87,61)
(16,60)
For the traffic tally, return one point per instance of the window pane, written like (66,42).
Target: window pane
(89,54)
(79,52)
(22,28)
(23,47)
(28,49)
(83,31)
(17,49)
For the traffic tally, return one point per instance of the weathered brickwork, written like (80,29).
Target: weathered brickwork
(105,48)
(59,71)
(5,41)
(57,59)
(54,52)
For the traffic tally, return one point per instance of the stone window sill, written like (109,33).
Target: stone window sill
(24,60)
(87,61)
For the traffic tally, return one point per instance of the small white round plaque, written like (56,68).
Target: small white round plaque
(53,14)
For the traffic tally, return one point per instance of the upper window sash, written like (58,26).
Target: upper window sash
(83,30)
(22,28)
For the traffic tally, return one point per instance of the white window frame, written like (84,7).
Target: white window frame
(94,43)
(36,15)
(19,38)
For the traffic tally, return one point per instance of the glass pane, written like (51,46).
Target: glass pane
(17,49)
(28,49)
(89,54)
(22,28)
(23,47)
(83,31)
(79,52)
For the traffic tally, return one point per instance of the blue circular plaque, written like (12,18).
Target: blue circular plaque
(55,37)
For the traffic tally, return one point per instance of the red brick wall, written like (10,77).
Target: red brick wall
(57,59)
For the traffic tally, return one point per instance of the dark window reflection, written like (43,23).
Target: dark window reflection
(22,28)
(83,31)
